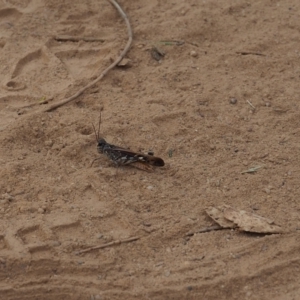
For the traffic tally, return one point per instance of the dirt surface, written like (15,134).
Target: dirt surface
(223,99)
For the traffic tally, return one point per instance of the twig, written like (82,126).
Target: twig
(127,47)
(70,38)
(205,229)
(250,53)
(251,170)
(42,101)
(251,104)
(177,43)
(118,242)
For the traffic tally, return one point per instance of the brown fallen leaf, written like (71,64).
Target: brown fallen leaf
(218,216)
(228,217)
(251,222)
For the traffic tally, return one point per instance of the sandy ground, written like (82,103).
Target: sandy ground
(221,101)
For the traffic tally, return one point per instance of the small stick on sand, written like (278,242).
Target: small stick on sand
(252,170)
(124,16)
(70,38)
(172,42)
(251,104)
(118,242)
(205,229)
(250,53)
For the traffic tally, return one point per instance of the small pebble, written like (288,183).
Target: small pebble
(233,101)
(157,53)
(125,62)
(167,273)
(41,210)
(193,53)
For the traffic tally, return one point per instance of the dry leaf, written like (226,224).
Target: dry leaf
(218,216)
(251,222)
(228,217)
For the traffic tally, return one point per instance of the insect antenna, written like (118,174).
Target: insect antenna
(97,133)
(99,125)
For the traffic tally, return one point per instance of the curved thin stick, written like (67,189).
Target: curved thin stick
(128,45)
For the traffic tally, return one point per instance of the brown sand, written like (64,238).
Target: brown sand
(211,108)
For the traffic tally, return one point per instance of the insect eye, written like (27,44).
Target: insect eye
(101,143)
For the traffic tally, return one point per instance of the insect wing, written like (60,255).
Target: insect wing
(143,166)
(140,157)
(125,156)
(119,155)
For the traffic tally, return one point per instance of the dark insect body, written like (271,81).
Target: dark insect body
(121,156)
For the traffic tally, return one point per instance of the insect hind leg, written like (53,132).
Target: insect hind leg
(94,161)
